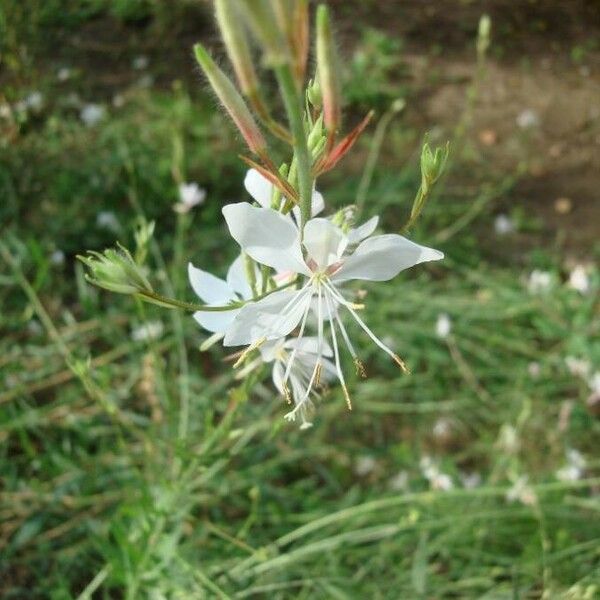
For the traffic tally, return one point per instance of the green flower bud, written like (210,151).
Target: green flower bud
(231,100)
(327,70)
(115,270)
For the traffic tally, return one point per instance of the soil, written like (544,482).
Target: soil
(543,67)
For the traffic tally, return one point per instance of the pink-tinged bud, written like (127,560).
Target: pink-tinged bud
(327,70)
(231,100)
(236,44)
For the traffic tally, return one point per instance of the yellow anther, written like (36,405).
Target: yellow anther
(360,368)
(401,363)
(347,396)
(286,394)
(318,371)
(248,350)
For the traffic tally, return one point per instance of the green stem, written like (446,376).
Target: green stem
(165,301)
(293,107)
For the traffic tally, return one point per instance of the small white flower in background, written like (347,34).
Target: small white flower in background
(91,114)
(364,465)
(470,480)
(34,327)
(534,369)
(579,279)
(443,326)
(578,367)
(332,258)
(522,492)
(575,467)
(594,382)
(107,219)
(118,100)
(539,281)
(399,482)
(33,102)
(528,118)
(437,480)
(503,225)
(442,428)
(57,257)
(190,195)
(151,330)
(508,439)
(140,63)
(64,74)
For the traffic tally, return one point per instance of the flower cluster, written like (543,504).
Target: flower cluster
(300,274)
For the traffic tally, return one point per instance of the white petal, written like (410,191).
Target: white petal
(236,278)
(363,231)
(278,374)
(217,321)
(382,257)
(324,241)
(209,288)
(267,236)
(272,317)
(259,187)
(308,345)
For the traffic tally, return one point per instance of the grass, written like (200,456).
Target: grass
(109,490)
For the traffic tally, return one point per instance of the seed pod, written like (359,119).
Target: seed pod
(327,71)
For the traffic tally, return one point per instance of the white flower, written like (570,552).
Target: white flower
(151,330)
(579,280)
(272,239)
(92,114)
(300,357)
(534,369)
(190,195)
(575,467)
(218,292)
(578,367)
(528,119)
(521,491)
(443,326)
(399,482)
(594,382)
(107,219)
(57,257)
(364,465)
(33,102)
(64,73)
(539,281)
(437,479)
(470,480)
(503,225)
(140,63)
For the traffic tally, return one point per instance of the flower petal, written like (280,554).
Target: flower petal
(382,257)
(324,241)
(308,345)
(236,278)
(217,321)
(363,231)
(259,187)
(209,288)
(272,317)
(267,236)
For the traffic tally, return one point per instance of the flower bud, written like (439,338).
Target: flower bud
(231,100)
(236,44)
(483,35)
(265,28)
(313,93)
(115,270)
(327,70)
(432,165)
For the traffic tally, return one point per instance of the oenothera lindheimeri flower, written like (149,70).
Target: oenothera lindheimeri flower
(218,292)
(327,257)
(294,361)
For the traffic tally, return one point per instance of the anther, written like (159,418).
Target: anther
(360,368)
(318,371)
(347,396)
(248,350)
(400,363)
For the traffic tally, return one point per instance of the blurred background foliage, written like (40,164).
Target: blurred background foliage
(477,476)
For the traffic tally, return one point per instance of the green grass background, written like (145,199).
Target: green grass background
(107,493)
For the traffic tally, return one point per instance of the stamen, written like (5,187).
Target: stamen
(347,396)
(360,368)
(319,369)
(286,393)
(364,327)
(257,344)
